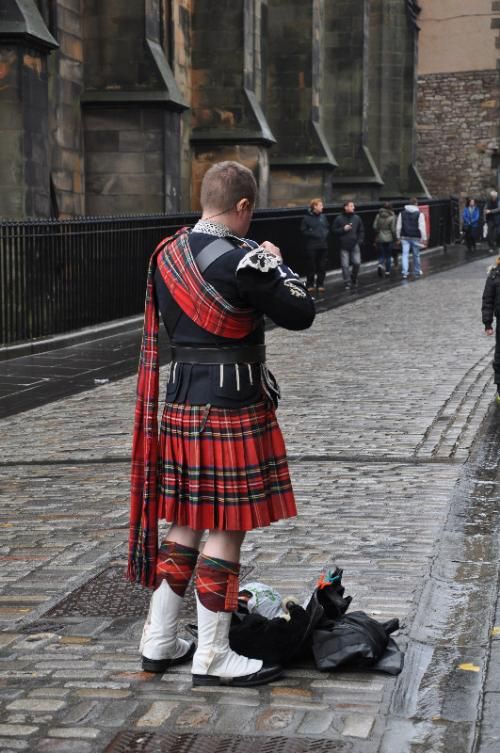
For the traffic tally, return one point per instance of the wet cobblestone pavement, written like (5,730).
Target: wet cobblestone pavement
(384,399)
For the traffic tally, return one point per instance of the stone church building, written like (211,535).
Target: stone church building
(119,106)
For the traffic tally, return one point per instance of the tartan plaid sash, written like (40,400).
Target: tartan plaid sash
(199,300)
(204,305)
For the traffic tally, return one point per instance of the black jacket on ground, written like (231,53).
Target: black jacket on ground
(314,227)
(350,238)
(491,297)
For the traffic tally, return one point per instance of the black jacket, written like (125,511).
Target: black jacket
(493,217)
(491,297)
(314,227)
(277,293)
(350,238)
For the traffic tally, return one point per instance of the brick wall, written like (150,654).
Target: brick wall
(457,126)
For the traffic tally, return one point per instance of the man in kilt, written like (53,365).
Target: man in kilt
(218,462)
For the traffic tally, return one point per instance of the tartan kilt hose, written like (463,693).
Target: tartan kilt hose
(223,468)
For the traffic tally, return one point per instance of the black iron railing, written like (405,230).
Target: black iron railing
(58,276)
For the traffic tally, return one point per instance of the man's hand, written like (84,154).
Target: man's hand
(272,249)
(347,228)
(489,331)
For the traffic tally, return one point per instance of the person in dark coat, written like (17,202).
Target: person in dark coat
(218,462)
(470,224)
(385,236)
(315,230)
(490,310)
(492,219)
(348,228)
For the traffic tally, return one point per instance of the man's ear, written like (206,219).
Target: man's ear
(243,205)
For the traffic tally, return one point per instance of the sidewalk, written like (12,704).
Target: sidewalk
(383,399)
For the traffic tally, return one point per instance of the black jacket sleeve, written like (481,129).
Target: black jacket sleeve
(338,225)
(488,305)
(273,289)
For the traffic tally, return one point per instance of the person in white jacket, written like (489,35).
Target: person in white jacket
(412,232)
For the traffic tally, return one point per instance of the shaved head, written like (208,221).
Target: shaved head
(224,184)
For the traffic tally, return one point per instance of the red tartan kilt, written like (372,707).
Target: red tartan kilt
(226,470)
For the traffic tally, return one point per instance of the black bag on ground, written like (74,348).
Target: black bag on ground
(354,641)
(337,640)
(275,641)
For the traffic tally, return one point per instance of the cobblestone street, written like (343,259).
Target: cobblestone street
(383,400)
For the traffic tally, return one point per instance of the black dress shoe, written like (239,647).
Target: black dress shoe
(267,673)
(159,666)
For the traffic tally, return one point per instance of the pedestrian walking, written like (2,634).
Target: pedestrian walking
(384,225)
(470,224)
(412,232)
(315,231)
(219,462)
(492,219)
(490,310)
(348,228)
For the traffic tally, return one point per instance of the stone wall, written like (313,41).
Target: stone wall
(302,162)
(24,165)
(124,160)
(228,120)
(65,118)
(391,89)
(346,45)
(181,63)
(120,106)
(457,130)
(131,108)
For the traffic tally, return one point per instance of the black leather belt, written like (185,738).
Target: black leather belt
(243,354)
